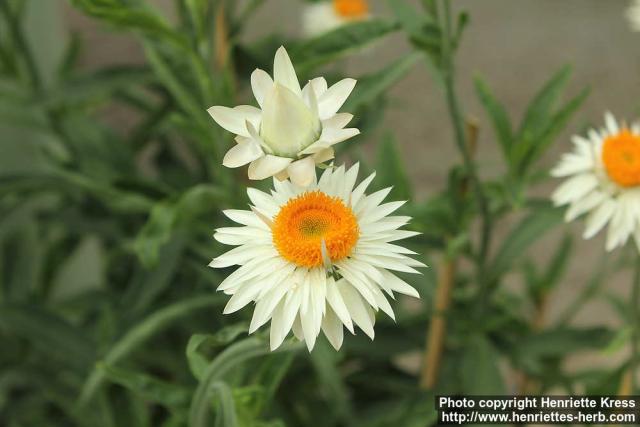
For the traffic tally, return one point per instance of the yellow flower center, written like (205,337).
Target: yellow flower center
(351,9)
(621,158)
(305,221)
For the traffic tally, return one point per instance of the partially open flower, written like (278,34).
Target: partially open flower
(323,16)
(633,14)
(293,130)
(316,258)
(604,182)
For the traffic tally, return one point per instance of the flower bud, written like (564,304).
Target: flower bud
(288,125)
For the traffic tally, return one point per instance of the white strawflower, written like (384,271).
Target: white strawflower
(603,181)
(633,14)
(324,16)
(316,258)
(293,130)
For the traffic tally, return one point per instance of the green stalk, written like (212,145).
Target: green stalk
(448,72)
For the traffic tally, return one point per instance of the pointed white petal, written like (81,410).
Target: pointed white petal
(267,166)
(283,71)
(261,84)
(302,172)
(332,328)
(242,153)
(234,119)
(330,102)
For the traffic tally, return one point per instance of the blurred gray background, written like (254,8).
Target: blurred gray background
(515,45)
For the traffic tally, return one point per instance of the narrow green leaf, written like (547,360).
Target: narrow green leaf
(498,115)
(528,231)
(558,264)
(197,361)
(226,409)
(410,18)
(50,334)
(147,387)
(390,170)
(339,42)
(539,109)
(480,371)
(325,363)
(142,332)
(559,342)
(371,86)
(556,123)
(233,356)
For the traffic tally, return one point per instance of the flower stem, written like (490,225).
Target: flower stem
(437,327)
(448,73)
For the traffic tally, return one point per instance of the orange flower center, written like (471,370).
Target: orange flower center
(621,158)
(351,9)
(305,221)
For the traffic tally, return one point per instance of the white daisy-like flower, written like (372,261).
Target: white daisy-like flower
(633,15)
(316,258)
(603,181)
(323,16)
(293,130)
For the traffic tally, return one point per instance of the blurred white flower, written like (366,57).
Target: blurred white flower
(293,130)
(633,14)
(323,16)
(604,182)
(316,258)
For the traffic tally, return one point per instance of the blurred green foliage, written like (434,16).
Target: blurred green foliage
(108,315)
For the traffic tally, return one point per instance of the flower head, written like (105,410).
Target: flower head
(633,14)
(294,128)
(603,181)
(316,258)
(324,16)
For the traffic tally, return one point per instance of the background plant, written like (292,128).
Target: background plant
(108,314)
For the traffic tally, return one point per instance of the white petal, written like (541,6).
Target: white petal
(245,218)
(337,121)
(611,123)
(358,192)
(267,166)
(283,71)
(234,119)
(242,153)
(381,211)
(323,155)
(598,218)
(574,188)
(334,298)
(583,205)
(330,102)
(267,303)
(319,85)
(398,285)
(261,84)
(360,313)
(283,317)
(332,136)
(241,298)
(302,172)
(332,328)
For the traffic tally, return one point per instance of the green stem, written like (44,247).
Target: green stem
(448,71)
